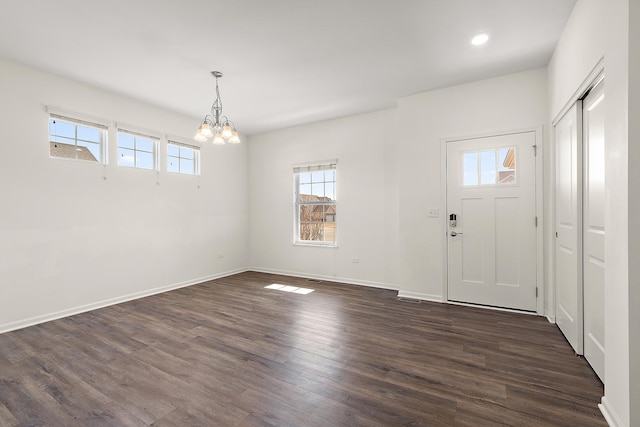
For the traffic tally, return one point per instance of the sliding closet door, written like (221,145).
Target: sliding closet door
(580,232)
(593,228)
(568,226)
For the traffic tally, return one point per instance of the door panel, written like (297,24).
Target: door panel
(594,232)
(491,190)
(506,241)
(472,247)
(568,226)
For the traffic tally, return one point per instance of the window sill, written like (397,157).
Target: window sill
(316,245)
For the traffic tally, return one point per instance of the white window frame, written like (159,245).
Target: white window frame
(141,133)
(297,204)
(175,141)
(78,119)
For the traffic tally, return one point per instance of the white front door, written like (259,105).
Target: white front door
(492,246)
(593,225)
(568,226)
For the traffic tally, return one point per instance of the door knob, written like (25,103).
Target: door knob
(454,234)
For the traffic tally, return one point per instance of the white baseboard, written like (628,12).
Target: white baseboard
(610,416)
(327,278)
(551,317)
(12,326)
(420,296)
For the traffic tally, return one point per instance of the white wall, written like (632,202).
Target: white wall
(596,29)
(578,51)
(366,193)
(515,101)
(71,240)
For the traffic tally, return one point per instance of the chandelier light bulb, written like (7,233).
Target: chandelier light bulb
(218,140)
(235,139)
(200,137)
(226,131)
(206,130)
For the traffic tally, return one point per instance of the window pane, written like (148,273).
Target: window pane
(488,167)
(186,166)
(186,153)
(507,165)
(470,166)
(305,178)
(144,144)
(305,189)
(60,128)
(313,231)
(88,134)
(317,213)
(330,213)
(94,148)
(173,164)
(125,140)
(126,157)
(329,226)
(330,190)
(144,160)
(317,190)
(317,176)
(330,175)
(303,231)
(305,213)
(173,150)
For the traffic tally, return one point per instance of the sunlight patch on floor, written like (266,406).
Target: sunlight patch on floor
(286,288)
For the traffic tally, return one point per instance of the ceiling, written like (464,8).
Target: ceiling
(285,62)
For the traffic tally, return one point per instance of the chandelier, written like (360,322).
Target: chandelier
(215,124)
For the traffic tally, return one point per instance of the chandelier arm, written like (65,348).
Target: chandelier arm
(210,120)
(233,125)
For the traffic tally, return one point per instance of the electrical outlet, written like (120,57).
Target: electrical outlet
(433,212)
(355,260)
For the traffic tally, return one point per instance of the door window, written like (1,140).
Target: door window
(489,167)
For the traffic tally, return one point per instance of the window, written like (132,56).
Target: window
(489,167)
(182,158)
(137,150)
(76,139)
(315,204)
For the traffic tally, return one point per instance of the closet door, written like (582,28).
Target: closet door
(568,226)
(593,228)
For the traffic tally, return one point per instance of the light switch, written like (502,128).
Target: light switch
(433,212)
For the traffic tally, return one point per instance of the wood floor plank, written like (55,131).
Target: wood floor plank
(231,353)
(6,417)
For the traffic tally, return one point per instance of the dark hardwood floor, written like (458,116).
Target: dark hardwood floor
(231,353)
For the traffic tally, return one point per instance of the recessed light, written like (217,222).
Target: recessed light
(480,39)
